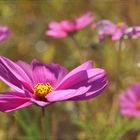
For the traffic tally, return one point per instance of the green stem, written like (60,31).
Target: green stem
(114,107)
(119,59)
(43,124)
(80,49)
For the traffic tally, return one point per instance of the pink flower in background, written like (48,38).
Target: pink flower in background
(63,28)
(119,31)
(44,84)
(133,32)
(105,28)
(108,28)
(4,33)
(130,101)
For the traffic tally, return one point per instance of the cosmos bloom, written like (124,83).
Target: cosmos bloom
(130,101)
(4,33)
(133,32)
(63,28)
(108,28)
(44,84)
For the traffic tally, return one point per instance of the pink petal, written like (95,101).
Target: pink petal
(4,33)
(119,32)
(56,33)
(101,36)
(131,96)
(67,26)
(15,69)
(117,35)
(62,95)
(83,21)
(85,66)
(3,37)
(11,101)
(129,100)
(51,73)
(55,25)
(135,91)
(40,103)
(80,86)
(130,112)
(26,67)
(81,91)
(124,104)
(72,80)
(80,78)
(13,75)
(125,101)
(105,27)
(96,84)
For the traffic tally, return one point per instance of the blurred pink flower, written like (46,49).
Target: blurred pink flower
(133,32)
(44,84)
(4,33)
(108,28)
(130,101)
(63,28)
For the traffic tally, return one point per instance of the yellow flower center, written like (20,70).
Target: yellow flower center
(138,105)
(120,24)
(41,90)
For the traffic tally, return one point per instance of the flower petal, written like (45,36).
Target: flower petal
(10,101)
(130,112)
(13,75)
(135,91)
(26,67)
(4,33)
(87,65)
(80,86)
(40,103)
(129,101)
(119,32)
(126,101)
(67,26)
(81,78)
(73,80)
(56,33)
(105,27)
(84,20)
(62,95)
(54,25)
(96,84)
(51,73)
(14,68)
(117,35)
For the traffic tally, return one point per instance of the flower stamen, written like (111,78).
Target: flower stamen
(138,105)
(41,90)
(120,24)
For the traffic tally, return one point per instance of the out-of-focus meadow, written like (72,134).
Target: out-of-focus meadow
(95,119)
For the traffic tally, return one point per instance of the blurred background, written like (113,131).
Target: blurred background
(96,119)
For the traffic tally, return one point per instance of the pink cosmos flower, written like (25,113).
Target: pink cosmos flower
(130,101)
(4,33)
(63,28)
(133,32)
(44,84)
(108,28)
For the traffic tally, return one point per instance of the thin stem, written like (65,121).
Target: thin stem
(75,41)
(43,124)
(80,49)
(119,63)
(114,107)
